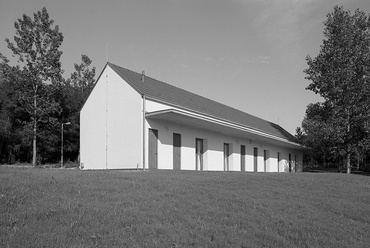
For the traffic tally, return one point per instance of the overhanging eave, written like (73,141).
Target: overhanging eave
(220,126)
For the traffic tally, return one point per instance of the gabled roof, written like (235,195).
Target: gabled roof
(167,93)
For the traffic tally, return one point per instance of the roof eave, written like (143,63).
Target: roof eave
(224,123)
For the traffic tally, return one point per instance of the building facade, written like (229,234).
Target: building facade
(131,121)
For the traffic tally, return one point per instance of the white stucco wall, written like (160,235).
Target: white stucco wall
(92,118)
(111,125)
(112,132)
(124,124)
(213,148)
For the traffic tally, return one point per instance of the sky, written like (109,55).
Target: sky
(247,54)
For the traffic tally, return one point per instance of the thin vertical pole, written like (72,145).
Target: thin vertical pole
(106,53)
(106,119)
(144,130)
(61,148)
(34,147)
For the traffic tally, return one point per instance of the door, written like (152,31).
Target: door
(278,161)
(153,149)
(264,160)
(242,158)
(226,156)
(198,154)
(290,162)
(255,153)
(176,151)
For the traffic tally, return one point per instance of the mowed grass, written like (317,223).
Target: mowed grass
(72,208)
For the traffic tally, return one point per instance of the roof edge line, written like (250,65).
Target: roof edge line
(95,82)
(223,123)
(211,116)
(148,97)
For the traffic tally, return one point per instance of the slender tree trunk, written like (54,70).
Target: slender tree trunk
(34,154)
(339,164)
(348,161)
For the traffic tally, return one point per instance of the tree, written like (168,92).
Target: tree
(12,116)
(320,134)
(340,73)
(76,89)
(83,78)
(36,46)
(300,135)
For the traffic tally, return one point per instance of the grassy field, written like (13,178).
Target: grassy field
(72,208)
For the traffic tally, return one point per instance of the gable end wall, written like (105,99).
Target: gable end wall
(111,126)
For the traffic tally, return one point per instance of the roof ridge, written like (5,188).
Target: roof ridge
(209,99)
(183,98)
(167,83)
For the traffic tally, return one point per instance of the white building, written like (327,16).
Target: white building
(133,121)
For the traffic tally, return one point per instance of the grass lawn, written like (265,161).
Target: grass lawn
(72,208)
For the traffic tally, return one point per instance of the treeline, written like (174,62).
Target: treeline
(338,129)
(35,99)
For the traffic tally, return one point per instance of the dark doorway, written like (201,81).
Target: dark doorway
(176,151)
(255,153)
(242,158)
(153,149)
(226,156)
(198,154)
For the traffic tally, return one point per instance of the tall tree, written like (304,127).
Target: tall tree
(321,134)
(76,89)
(340,73)
(36,45)
(83,78)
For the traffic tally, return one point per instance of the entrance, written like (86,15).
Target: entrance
(153,149)
(255,153)
(198,154)
(242,158)
(176,151)
(226,156)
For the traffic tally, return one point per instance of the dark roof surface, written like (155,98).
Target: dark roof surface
(165,92)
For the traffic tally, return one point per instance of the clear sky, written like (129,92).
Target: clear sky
(248,54)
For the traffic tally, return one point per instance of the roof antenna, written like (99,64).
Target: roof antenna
(142,76)
(106,52)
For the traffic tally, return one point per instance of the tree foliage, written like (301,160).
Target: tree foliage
(340,73)
(34,97)
(76,89)
(36,46)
